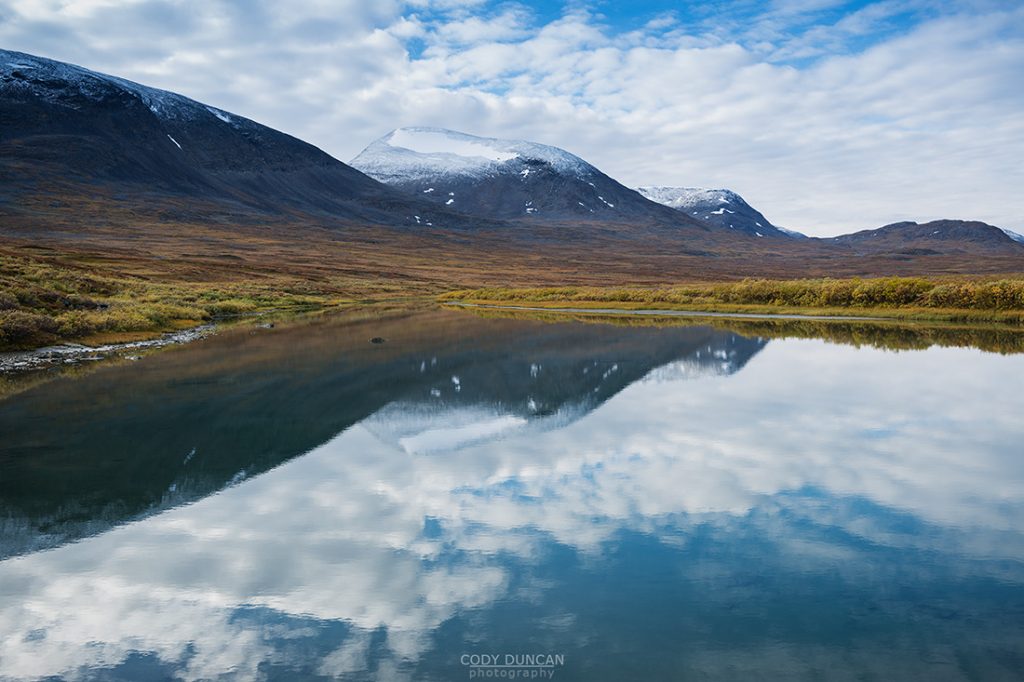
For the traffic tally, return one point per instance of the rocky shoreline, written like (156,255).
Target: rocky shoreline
(74,353)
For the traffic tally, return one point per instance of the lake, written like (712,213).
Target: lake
(499,496)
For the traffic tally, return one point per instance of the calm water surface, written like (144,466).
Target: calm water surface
(594,502)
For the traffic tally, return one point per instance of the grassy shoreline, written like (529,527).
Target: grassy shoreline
(889,334)
(45,301)
(101,299)
(967,300)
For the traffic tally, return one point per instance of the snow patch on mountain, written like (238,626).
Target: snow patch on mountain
(1015,236)
(51,80)
(220,114)
(791,233)
(408,154)
(689,197)
(423,141)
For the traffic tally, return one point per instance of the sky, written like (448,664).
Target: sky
(827,116)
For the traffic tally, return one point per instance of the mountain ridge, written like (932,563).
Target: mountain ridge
(86,157)
(505,179)
(59,117)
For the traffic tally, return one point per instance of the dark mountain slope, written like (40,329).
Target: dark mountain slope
(62,121)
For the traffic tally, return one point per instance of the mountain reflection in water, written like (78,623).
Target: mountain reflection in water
(648,502)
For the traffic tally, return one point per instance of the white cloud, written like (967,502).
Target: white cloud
(819,124)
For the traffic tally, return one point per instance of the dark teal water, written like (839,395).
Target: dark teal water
(507,499)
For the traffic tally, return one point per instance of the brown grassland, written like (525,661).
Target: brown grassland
(95,269)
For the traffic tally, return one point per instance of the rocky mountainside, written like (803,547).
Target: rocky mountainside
(63,122)
(719,207)
(505,179)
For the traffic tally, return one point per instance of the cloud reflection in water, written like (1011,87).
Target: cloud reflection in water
(814,465)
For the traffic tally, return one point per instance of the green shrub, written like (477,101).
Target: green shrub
(74,324)
(18,326)
(895,292)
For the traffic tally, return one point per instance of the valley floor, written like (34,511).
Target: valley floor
(112,284)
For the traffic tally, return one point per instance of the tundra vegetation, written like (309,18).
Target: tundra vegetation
(49,296)
(955,299)
(43,302)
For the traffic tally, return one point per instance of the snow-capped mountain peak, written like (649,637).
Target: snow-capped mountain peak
(418,152)
(719,207)
(504,179)
(440,141)
(693,198)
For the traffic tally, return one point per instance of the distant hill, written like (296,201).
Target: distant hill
(908,239)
